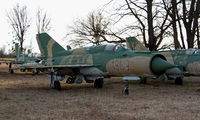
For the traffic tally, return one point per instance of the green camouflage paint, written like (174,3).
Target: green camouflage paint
(112,60)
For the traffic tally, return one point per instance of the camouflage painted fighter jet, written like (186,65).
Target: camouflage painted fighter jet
(95,63)
(26,62)
(23,62)
(187,59)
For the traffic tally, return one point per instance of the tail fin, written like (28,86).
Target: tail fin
(48,47)
(17,51)
(134,44)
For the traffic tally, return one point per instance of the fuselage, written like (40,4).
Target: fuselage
(108,60)
(189,59)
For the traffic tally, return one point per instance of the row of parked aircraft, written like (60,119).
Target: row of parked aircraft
(93,64)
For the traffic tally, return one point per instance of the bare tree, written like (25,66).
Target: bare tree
(149,17)
(2,52)
(94,29)
(190,17)
(172,5)
(186,13)
(20,23)
(174,25)
(159,19)
(180,30)
(197,36)
(43,22)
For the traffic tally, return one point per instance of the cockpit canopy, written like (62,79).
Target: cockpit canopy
(113,47)
(98,48)
(192,52)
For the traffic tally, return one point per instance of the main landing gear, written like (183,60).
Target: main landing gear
(179,81)
(10,68)
(98,83)
(55,81)
(56,85)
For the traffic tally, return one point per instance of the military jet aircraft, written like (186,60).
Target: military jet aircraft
(26,62)
(187,59)
(95,63)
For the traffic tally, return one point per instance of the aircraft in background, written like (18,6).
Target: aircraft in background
(25,62)
(95,63)
(187,59)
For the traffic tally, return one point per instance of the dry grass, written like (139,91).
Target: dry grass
(7,58)
(27,97)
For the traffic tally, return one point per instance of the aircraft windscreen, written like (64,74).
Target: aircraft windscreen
(32,55)
(190,51)
(197,52)
(113,47)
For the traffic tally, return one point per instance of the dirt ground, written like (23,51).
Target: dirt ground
(28,97)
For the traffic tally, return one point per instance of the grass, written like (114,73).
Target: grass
(27,97)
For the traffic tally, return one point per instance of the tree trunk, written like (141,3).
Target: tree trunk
(188,18)
(198,42)
(180,31)
(175,33)
(152,38)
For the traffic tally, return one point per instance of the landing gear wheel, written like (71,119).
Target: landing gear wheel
(10,68)
(37,72)
(56,85)
(179,81)
(125,91)
(98,83)
(34,72)
(143,80)
(11,71)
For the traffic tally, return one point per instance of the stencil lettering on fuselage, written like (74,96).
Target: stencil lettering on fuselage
(129,66)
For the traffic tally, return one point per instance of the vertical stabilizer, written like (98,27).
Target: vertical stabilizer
(134,44)
(48,47)
(17,51)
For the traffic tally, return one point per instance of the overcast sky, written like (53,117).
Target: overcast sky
(62,12)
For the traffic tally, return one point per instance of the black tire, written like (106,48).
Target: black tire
(37,72)
(57,85)
(33,72)
(98,83)
(125,91)
(11,71)
(179,81)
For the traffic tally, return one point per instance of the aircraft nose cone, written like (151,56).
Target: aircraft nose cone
(160,66)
